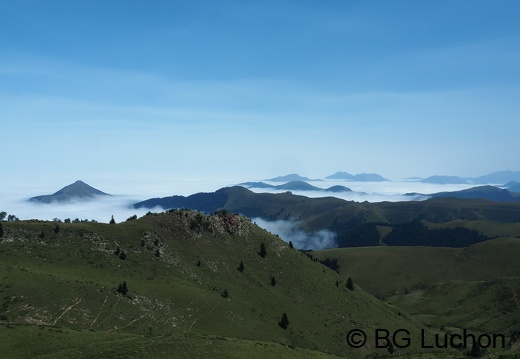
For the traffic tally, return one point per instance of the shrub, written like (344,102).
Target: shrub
(123,288)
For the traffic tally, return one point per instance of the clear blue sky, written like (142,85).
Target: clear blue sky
(255,89)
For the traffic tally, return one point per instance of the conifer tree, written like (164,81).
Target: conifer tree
(262,252)
(112,220)
(241,267)
(1,230)
(273,281)
(284,322)
(350,284)
(291,245)
(225,294)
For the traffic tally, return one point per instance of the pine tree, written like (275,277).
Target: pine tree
(273,281)
(112,220)
(1,230)
(225,294)
(284,322)
(350,284)
(476,351)
(198,263)
(122,255)
(241,267)
(291,245)
(262,252)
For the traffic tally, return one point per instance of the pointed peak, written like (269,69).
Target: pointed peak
(76,190)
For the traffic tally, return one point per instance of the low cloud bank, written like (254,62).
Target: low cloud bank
(100,209)
(289,231)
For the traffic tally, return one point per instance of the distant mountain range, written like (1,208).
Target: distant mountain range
(291,178)
(78,190)
(354,223)
(495,178)
(296,186)
(361,177)
(492,178)
(444,180)
(490,193)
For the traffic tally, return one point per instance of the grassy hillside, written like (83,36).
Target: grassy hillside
(491,306)
(475,287)
(389,270)
(60,287)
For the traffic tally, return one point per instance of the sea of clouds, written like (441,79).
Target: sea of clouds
(14,197)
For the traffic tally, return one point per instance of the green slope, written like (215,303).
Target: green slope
(66,279)
(475,287)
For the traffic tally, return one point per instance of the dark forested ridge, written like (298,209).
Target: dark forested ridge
(415,233)
(356,224)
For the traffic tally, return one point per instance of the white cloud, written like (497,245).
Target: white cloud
(289,231)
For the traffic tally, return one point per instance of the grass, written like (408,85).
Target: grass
(386,271)
(476,288)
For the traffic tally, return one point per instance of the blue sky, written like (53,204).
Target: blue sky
(255,89)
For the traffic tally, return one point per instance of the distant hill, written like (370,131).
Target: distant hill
(338,189)
(498,177)
(295,186)
(490,193)
(341,175)
(361,177)
(444,180)
(77,190)
(513,186)
(298,186)
(291,178)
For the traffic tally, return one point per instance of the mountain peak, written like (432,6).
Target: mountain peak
(77,190)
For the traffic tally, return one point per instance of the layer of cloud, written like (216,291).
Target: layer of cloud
(289,231)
